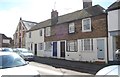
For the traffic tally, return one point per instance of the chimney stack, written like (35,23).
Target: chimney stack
(54,17)
(87,3)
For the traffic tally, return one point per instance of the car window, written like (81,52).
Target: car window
(8,61)
(24,50)
(7,50)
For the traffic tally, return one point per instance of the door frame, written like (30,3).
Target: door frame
(101,52)
(62,55)
(35,49)
(54,49)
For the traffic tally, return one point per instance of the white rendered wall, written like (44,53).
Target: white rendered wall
(90,56)
(35,39)
(114,20)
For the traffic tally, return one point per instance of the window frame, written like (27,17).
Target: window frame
(71,27)
(83,25)
(48,46)
(40,32)
(30,34)
(31,46)
(47,31)
(84,47)
(75,48)
(41,46)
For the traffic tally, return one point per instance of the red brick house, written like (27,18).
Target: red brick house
(19,35)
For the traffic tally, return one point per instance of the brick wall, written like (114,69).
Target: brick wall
(60,32)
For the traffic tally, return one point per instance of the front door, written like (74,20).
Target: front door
(35,49)
(55,49)
(62,49)
(100,49)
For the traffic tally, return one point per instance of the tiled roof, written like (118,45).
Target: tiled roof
(4,36)
(115,5)
(29,24)
(80,14)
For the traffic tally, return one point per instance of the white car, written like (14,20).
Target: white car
(5,49)
(109,71)
(24,53)
(117,54)
(11,64)
(112,70)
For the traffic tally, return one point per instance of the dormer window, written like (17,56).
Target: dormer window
(86,25)
(71,27)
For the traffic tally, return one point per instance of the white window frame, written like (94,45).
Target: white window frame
(41,46)
(48,31)
(31,46)
(40,32)
(48,46)
(29,34)
(72,46)
(84,45)
(6,41)
(83,25)
(72,27)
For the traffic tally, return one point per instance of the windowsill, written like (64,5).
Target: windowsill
(47,36)
(71,51)
(86,30)
(86,51)
(72,33)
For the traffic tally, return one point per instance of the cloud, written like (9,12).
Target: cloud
(8,21)
(33,10)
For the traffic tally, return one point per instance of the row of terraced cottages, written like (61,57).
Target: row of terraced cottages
(90,34)
(80,35)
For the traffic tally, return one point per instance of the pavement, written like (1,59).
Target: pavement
(84,67)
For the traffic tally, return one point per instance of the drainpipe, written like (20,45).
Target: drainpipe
(107,36)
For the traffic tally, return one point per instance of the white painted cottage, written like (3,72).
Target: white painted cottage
(113,29)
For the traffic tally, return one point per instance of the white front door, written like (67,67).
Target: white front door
(100,49)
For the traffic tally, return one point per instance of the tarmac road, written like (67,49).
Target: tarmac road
(84,67)
(50,70)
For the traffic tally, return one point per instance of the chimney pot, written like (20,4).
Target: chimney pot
(54,17)
(87,3)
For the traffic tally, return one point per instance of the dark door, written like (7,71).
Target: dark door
(54,48)
(62,49)
(36,49)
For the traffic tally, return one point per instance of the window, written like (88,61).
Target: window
(86,25)
(71,27)
(87,44)
(29,34)
(31,47)
(47,31)
(20,27)
(72,46)
(48,46)
(40,31)
(41,46)
(117,41)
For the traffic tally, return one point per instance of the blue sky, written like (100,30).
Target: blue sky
(37,11)
(7,4)
(104,3)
